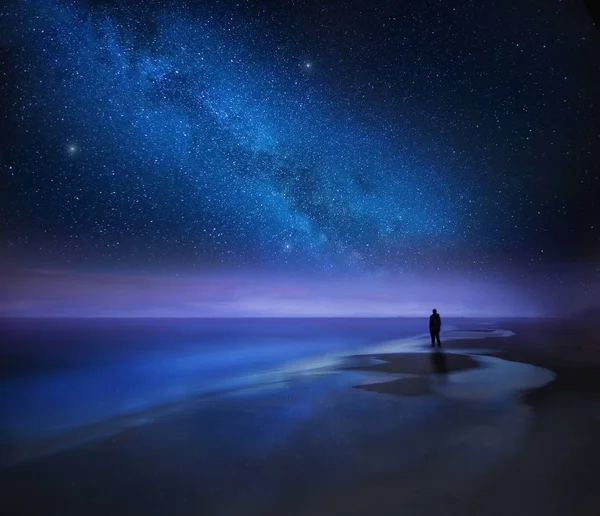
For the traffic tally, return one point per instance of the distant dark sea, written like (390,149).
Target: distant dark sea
(57,375)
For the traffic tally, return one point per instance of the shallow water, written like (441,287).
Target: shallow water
(60,375)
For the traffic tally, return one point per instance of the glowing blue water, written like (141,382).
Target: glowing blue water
(60,375)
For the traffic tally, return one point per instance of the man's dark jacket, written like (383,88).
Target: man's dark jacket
(435,322)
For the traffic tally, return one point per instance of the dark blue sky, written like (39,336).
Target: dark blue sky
(308,137)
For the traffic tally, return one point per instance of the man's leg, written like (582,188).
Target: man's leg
(437,336)
(432,338)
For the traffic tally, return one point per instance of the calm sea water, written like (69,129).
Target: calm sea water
(58,375)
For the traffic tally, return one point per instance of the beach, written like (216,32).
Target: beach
(504,420)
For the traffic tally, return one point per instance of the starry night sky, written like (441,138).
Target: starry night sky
(307,138)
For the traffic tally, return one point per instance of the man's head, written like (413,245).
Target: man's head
(434,311)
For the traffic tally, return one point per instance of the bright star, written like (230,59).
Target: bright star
(72,148)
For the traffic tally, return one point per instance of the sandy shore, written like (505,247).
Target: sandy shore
(552,472)
(390,433)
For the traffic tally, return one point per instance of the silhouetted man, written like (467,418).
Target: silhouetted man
(435,325)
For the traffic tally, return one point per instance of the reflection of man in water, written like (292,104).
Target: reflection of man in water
(435,325)
(438,362)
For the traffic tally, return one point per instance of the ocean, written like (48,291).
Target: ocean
(57,375)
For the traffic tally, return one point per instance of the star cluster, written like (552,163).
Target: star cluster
(306,136)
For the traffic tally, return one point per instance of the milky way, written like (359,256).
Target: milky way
(164,136)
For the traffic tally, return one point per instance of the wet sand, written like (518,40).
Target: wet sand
(420,366)
(389,433)
(553,471)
